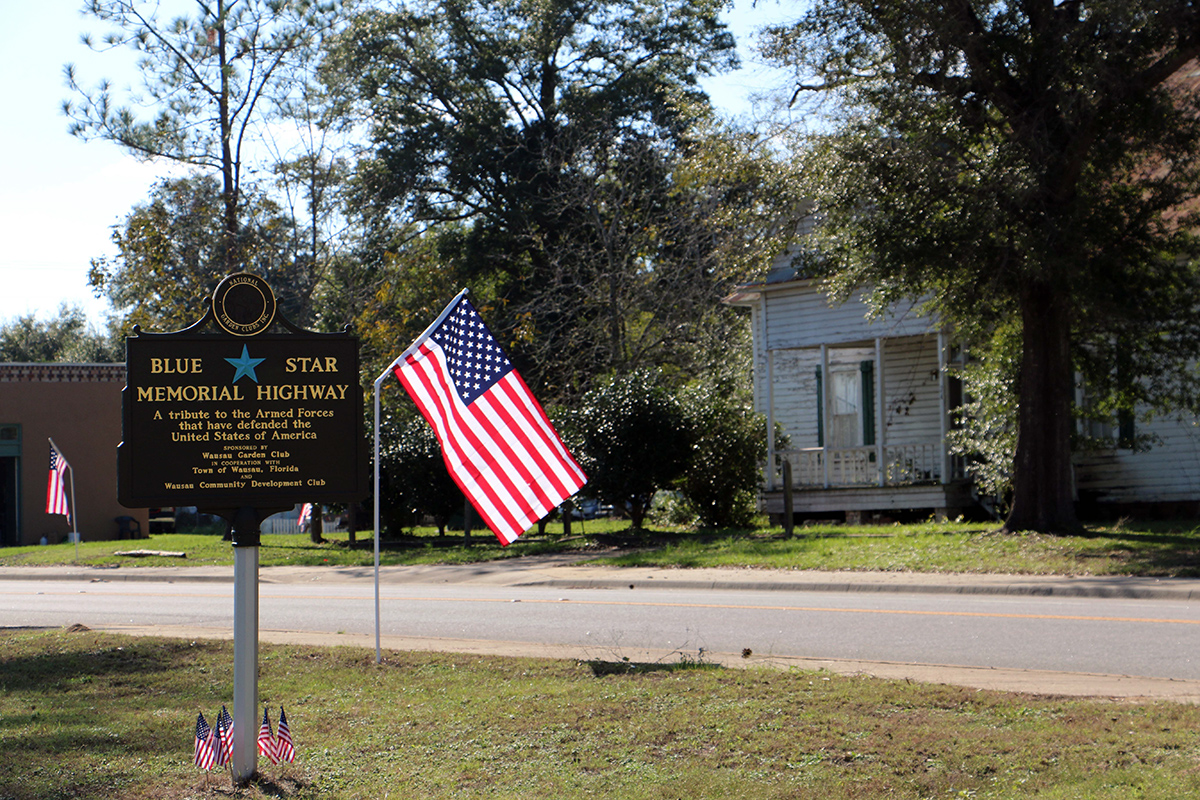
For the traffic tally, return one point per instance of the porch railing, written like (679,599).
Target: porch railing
(903,464)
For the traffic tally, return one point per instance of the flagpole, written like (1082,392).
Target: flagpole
(74,511)
(378,650)
(379,382)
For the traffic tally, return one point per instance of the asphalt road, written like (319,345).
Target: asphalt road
(1118,637)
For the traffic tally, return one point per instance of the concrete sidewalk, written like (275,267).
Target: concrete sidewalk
(566,571)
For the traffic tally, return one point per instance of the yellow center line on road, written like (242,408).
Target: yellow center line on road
(645,604)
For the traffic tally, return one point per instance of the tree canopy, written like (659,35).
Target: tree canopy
(63,337)
(1031,161)
(538,144)
(170,255)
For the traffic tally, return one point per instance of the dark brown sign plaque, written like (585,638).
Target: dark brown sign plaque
(241,417)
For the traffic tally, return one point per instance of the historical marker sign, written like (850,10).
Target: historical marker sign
(241,418)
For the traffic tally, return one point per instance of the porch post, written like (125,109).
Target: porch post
(770,420)
(942,395)
(880,416)
(825,378)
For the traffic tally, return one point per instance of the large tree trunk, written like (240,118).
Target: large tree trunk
(316,529)
(1042,481)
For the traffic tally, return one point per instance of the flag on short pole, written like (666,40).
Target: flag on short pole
(305,517)
(266,740)
(225,734)
(204,757)
(56,487)
(284,749)
(496,440)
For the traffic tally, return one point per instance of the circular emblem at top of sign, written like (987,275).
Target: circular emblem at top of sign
(244,304)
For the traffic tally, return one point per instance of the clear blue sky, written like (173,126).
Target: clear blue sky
(60,197)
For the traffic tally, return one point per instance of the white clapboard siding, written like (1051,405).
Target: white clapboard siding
(795,388)
(759,366)
(800,315)
(912,406)
(1167,472)
(795,395)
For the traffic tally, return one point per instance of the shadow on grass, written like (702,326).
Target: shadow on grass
(281,786)
(1151,553)
(71,714)
(112,664)
(602,668)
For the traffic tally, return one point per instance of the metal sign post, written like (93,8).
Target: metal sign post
(245,644)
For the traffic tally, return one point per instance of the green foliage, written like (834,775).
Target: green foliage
(985,431)
(472,104)
(417,482)
(170,255)
(635,440)
(723,470)
(66,337)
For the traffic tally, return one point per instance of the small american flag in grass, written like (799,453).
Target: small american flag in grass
(284,749)
(204,758)
(225,735)
(267,746)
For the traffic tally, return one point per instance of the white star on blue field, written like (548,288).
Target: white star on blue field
(245,365)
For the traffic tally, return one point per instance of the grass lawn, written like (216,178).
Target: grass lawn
(1161,549)
(100,716)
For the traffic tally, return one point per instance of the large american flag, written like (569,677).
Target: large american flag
(204,758)
(496,441)
(56,488)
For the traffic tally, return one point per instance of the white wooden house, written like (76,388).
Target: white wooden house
(862,406)
(1162,481)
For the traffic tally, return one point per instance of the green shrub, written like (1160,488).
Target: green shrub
(728,439)
(635,440)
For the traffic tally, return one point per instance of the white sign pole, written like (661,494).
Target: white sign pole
(378,649)
(245,647)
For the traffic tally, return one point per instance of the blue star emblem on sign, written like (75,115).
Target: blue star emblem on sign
(245,365)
